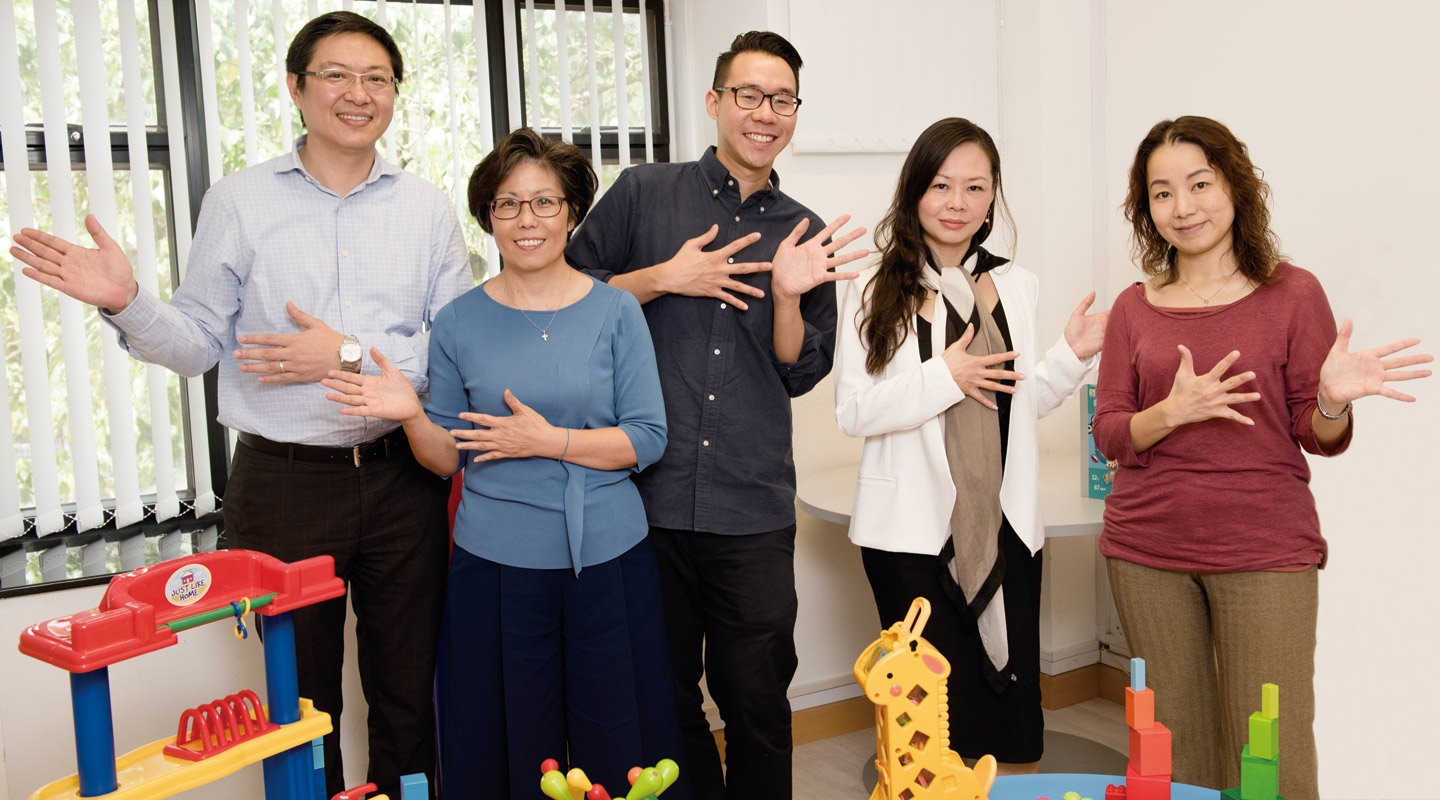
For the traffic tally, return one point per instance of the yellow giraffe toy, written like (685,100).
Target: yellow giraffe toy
(904,676)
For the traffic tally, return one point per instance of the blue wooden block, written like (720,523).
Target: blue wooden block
(414,787)
(1137,674)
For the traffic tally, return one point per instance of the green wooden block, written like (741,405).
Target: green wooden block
(1230,794)
(1264,736)
(1270,700)
(1259,777)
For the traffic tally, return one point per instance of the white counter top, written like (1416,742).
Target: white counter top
(829,495)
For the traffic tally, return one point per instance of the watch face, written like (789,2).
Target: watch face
(349,352)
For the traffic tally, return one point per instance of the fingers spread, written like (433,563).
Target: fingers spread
(737,245)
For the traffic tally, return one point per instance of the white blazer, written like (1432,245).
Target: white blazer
(904,494)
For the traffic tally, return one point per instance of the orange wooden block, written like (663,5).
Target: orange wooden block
(1150,750)
(1142,787)
(1139,708)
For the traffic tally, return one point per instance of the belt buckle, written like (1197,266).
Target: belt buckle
(355,451)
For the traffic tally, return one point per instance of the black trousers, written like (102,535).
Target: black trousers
(1009,725)
(385,525)
(730,610)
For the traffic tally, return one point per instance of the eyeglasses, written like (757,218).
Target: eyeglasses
(543,206)
(341,79)
(750,98)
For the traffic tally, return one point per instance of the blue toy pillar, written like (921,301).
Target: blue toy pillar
(289,775)
(94,731)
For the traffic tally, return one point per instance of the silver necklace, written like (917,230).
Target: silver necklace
(1204,299)
(544,336)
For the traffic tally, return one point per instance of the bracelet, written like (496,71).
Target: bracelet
(567,445)
(1326,414)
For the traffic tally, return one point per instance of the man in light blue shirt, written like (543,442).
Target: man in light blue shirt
(299,266)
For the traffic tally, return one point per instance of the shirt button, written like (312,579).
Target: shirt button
(730,260)
(344,252)
(705,443)
(737,219)
(714,191)
(729,183)
(722,305)
(717,351)
(762,209)
(347,303)
(712,397)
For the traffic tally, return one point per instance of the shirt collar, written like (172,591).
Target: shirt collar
(716,175)
(290,162)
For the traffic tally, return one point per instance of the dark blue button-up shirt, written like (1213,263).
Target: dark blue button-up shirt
(728,467)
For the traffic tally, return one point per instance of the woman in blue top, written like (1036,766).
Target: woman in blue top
(553,641)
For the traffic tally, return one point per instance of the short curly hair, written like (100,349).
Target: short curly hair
(569,165)
(1256,247)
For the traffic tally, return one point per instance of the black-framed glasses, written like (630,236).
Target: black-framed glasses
(542,206)
(750,98)
(341,79)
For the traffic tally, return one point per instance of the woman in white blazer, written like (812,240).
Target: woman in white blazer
(941,333)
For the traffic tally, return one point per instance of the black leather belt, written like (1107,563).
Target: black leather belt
(374,450)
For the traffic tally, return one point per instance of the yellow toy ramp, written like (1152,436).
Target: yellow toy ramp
(148,774)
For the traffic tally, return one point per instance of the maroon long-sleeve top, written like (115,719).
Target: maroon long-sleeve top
(1218,495)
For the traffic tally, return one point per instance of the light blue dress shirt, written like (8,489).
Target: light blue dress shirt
(596,370)
(378,263)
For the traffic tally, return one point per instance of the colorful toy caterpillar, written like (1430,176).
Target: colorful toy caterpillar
(904,676)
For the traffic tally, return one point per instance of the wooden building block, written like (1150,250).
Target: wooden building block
(1146,787)
(1270,700)
(1150,750)
(1264,736)
(1259,777)
(1139,707)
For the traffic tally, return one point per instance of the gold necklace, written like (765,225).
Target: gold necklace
(1203,299)
(544,335)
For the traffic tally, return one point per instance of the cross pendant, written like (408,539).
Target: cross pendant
(544,337)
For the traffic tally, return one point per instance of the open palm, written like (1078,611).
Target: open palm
(1346,377)
(388,395)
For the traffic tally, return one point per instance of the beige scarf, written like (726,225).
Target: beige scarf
(972,448)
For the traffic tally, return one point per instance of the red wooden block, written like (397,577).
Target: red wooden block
(1146,787)
(1139,708)
(1150,750)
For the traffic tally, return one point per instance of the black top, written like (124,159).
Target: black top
(728,466)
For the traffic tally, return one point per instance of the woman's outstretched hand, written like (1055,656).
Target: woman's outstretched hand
(976,374)
(1085,333)
(1195,398)
(1346,377)
(388,395)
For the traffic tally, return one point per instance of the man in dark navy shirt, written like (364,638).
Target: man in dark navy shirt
(738,330)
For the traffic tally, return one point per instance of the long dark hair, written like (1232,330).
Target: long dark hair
(894,297)
(1256,248)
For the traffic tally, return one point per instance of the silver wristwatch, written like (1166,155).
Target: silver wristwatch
(350,354)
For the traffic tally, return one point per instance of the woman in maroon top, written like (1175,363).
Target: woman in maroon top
(1218,371)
